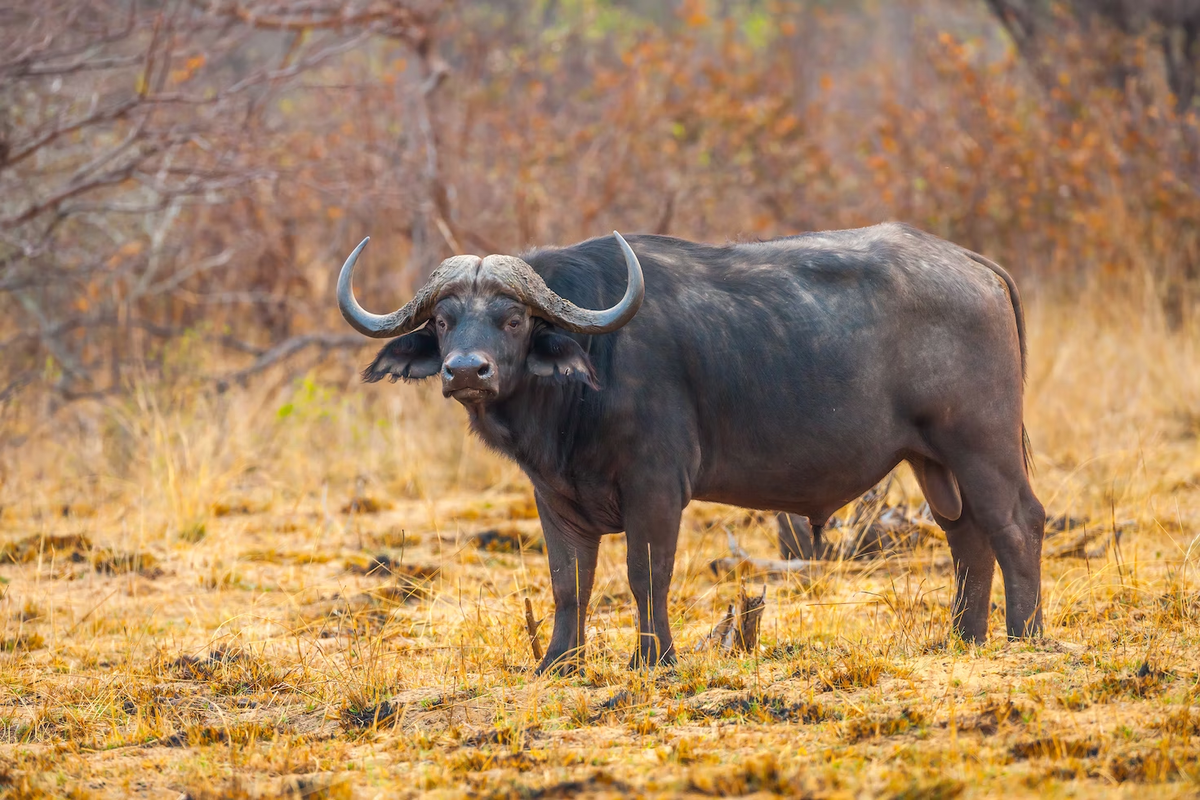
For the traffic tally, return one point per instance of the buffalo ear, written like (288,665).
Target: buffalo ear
(410,358)
(553,355)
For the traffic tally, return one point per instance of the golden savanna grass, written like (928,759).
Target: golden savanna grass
(276,591)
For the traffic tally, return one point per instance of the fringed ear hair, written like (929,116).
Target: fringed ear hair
(409,358)
(553,355)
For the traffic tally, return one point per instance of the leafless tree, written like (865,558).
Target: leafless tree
(123,124)
(1176,26)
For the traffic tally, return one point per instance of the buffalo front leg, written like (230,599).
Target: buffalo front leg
(572,572)
(651,533)
(1001,522)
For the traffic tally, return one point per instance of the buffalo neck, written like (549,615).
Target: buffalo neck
(543,427)
(533,427)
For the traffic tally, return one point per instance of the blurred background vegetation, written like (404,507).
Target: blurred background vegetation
(179,179)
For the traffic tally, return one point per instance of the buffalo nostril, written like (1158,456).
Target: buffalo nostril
(466,368)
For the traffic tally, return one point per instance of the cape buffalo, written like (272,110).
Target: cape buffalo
(786,375)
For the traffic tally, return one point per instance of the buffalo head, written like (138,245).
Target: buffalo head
(482,324)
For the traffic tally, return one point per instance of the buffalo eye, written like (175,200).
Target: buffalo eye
(514,323)
(441,324)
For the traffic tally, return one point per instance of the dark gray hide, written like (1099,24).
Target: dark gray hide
(788,375)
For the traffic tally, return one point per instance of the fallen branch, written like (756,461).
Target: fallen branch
(16,385)
(532,626)
(288,348)
(741,559)
(890,530)
(1079,546)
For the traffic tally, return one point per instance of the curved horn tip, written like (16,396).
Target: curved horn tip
(624,245)
(348,266)
(354,254)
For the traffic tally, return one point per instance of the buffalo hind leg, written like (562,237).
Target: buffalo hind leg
(651,534)
(572,573)
(974,560)
(1001,518)
(1017,540)
(974,566)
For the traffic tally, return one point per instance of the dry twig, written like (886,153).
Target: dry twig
(737,632)
(532,626)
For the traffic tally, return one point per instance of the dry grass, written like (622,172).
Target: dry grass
(280,591)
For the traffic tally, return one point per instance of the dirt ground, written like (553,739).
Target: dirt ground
(283,591)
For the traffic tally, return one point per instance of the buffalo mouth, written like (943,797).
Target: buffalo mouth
(470,395)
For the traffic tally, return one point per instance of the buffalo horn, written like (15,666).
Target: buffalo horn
(530,287)
(515,273)
(407,319)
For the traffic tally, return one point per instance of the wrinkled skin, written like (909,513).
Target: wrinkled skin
(788,375)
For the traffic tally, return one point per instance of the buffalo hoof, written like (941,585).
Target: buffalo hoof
(561,665)
(1037,641)
(641,660)
(1031,630)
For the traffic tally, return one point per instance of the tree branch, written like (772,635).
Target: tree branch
(287,349)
